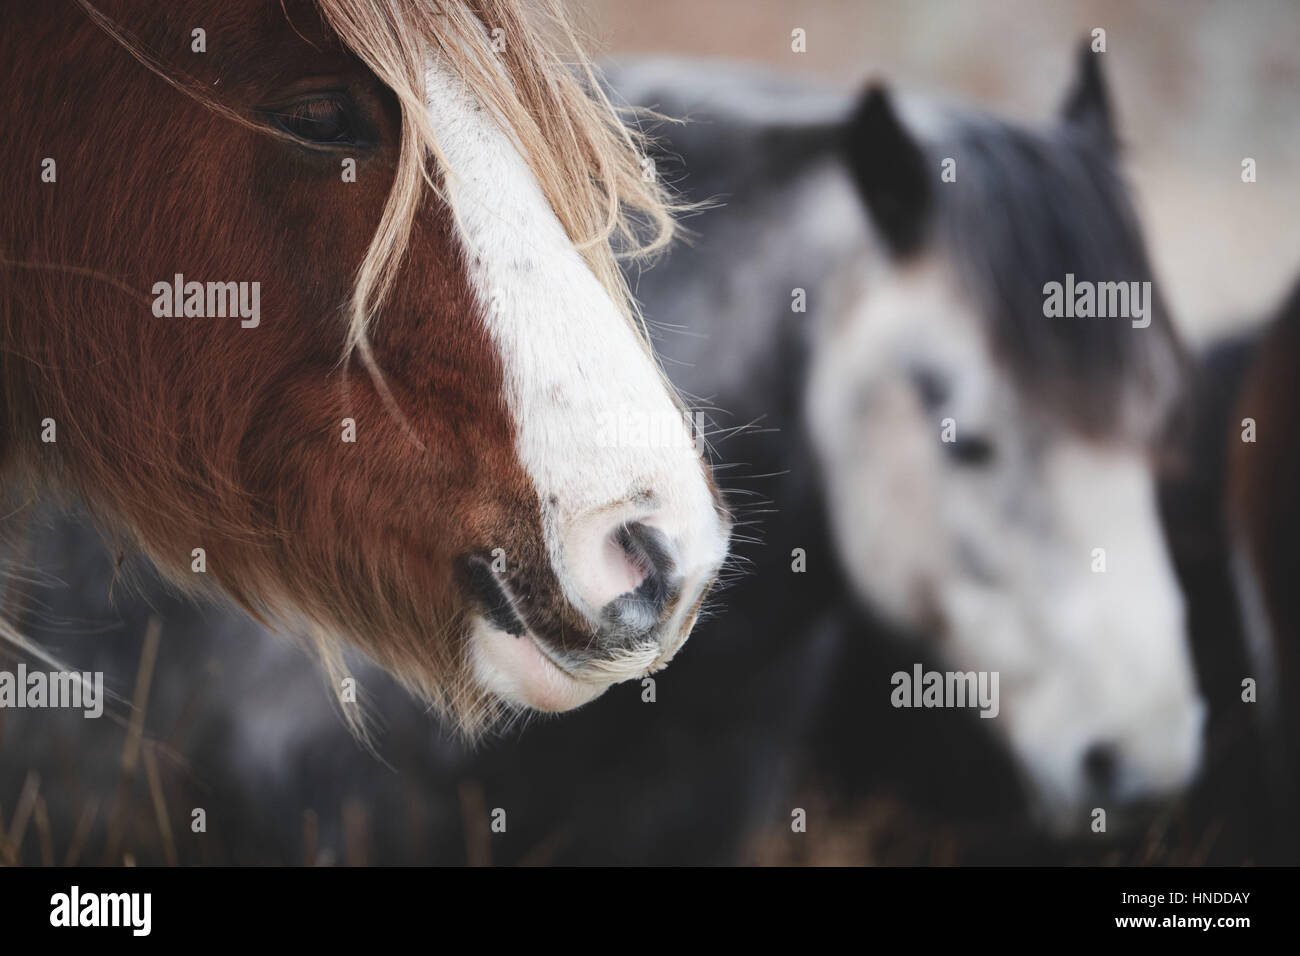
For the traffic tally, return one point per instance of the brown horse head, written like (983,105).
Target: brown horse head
(316,303)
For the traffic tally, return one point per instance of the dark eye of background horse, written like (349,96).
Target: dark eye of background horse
(970,451)
(323,121)
(932,386)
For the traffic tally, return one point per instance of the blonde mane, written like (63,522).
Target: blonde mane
(585,158)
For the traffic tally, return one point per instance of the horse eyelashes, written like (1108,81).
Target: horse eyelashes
(319,121)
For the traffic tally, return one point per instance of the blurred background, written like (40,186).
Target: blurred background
(1198,84)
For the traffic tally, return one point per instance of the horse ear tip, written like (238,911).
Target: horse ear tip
(1088,102)
(873,103)
(1089,62)
(875,93)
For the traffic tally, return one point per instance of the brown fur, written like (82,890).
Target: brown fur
(1264,492)
(1263,500)
(193,432)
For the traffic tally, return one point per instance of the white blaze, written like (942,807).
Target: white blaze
(572,364)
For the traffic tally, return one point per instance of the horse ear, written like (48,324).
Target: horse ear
(889,170)
(1087,105)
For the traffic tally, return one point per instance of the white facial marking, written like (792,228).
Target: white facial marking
(571,362)
(997,553)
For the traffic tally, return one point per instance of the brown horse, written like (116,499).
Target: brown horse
(218,210)
(1264,516)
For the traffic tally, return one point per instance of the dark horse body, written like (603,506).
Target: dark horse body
(1263,494)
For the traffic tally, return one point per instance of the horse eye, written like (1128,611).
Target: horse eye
(970,451)
(932,386)
(325,122)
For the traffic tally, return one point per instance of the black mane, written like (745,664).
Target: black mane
(1027,208)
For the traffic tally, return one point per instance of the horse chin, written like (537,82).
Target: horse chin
(518,670)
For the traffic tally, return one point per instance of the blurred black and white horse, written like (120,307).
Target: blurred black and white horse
(989,472)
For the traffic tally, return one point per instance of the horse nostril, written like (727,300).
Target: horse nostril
(1101,766)
(648,550)
(635,614)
